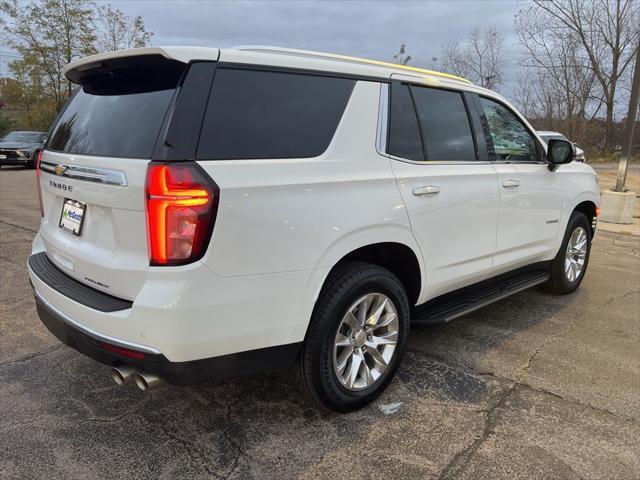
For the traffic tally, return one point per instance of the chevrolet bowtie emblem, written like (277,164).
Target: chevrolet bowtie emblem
(60,169)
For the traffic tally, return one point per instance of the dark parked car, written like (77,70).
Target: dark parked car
(21,148)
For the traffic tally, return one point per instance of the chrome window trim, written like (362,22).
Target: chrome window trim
(383,119)
(89,174)
(518,162)
(439,162)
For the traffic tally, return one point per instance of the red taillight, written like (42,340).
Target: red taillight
(38,182)
(125,352)
(181,206)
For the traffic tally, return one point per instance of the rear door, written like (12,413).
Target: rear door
(531,195)
(448,186)
(92,172)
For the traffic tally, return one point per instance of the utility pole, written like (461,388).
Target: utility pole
(629,127)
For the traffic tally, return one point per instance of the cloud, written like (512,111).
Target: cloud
(373,29)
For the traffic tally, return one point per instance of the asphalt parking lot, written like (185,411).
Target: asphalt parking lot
(536,386)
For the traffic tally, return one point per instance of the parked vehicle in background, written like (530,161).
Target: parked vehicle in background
(209,213)
(546,136)
(21,148)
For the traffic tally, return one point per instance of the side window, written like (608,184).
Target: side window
(258,114)
(404,133)
(446,130)
(511,139)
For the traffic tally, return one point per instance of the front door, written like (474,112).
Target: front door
(530,194)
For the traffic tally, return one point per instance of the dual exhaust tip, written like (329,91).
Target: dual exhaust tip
(124,375)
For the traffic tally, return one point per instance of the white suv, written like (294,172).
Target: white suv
(208,213)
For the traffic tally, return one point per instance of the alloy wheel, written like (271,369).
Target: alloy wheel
(365,341)
(576,254)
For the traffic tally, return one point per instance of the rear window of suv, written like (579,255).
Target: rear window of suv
(255,114)
(117,118)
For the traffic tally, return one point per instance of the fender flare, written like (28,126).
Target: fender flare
(353,240)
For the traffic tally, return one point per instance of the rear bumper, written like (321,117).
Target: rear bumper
(91,344)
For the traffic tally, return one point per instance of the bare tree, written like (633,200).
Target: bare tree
(401,57)
(607,32)
(561,85)
(480,58)
(48,35)
(120,31)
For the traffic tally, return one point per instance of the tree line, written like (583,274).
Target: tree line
(575,68)
(48,34)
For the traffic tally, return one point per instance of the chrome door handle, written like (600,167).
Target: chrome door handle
(428,190)
(510,183)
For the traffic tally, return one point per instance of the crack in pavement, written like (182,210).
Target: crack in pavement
(574,401)
(27,423)
(191,449)
(19,226)
(448,363)
(520,375)
(522,372)
(461,459)
(31,356)
(239,452)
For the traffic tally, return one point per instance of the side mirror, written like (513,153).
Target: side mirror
(560,152)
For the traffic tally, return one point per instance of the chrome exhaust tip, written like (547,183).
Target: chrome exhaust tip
(123,374)
(147,381)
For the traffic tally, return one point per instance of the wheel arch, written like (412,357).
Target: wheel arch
(586,201)
(589,209)
(400,256)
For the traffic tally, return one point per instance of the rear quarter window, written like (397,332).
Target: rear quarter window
(254,114)
(405,140)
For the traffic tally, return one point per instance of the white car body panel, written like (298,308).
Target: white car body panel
(455,227)
(299,214)
(191,313)
(579,184)
(282,224)
(112,249)
(529,213)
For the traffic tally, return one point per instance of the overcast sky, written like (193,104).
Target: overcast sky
(373,29)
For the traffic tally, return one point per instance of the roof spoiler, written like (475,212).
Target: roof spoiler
(80,70)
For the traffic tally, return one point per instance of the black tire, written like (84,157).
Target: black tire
(33,161)
(315,369)
(559,282)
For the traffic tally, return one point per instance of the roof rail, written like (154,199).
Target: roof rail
(346,58)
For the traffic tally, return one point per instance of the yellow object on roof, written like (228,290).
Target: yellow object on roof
(397,65)
(346,58)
